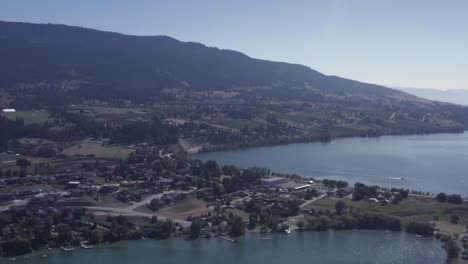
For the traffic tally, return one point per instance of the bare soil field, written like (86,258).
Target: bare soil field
(449,228)
(109,201)
(83,148)
(184,209)
(189,147)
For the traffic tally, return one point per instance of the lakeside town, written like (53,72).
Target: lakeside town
(82,175)
(160,193)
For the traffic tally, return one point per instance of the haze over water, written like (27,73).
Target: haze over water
(430,163)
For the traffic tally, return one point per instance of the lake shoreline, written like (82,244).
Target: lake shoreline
(250,236)
(417,159)
(201,149)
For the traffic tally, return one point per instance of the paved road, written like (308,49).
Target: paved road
(130,210)
(168,155)
(313,200)
(98,210)
(147,200)
(14,203)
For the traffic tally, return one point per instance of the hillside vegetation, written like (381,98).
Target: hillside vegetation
(92,81)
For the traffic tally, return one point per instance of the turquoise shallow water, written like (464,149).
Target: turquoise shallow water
(309,247)
(433,163)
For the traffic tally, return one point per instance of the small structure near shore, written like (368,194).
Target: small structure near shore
(227,239)
(274,181)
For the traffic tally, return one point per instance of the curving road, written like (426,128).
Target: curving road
(130,210)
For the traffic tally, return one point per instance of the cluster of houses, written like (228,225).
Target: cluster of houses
(80,184)
(381,198)
(168,199)
(286,185)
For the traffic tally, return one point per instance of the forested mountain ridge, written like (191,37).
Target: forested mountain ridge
(207,96)
(36,52)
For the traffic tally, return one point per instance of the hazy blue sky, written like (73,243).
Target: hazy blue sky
(409,43)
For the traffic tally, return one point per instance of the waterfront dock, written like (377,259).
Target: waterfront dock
(227,239)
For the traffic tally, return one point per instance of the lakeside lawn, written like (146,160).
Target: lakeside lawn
(408,210)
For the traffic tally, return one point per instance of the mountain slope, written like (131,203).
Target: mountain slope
(45,65)
(32,52)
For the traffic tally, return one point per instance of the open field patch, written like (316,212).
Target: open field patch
(97,150)
(83,149)
(103,113)
(29,117)
(8,161)
(408,210)
(184,209)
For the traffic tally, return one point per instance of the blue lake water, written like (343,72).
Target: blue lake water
(308,247)
(433,163)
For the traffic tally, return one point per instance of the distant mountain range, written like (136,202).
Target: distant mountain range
(451,96)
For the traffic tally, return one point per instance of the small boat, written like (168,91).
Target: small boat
(287,231)
(86,247)
(44,256)
(227,239)
(265,238)
(395,178)
(13,259)
(67,249)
